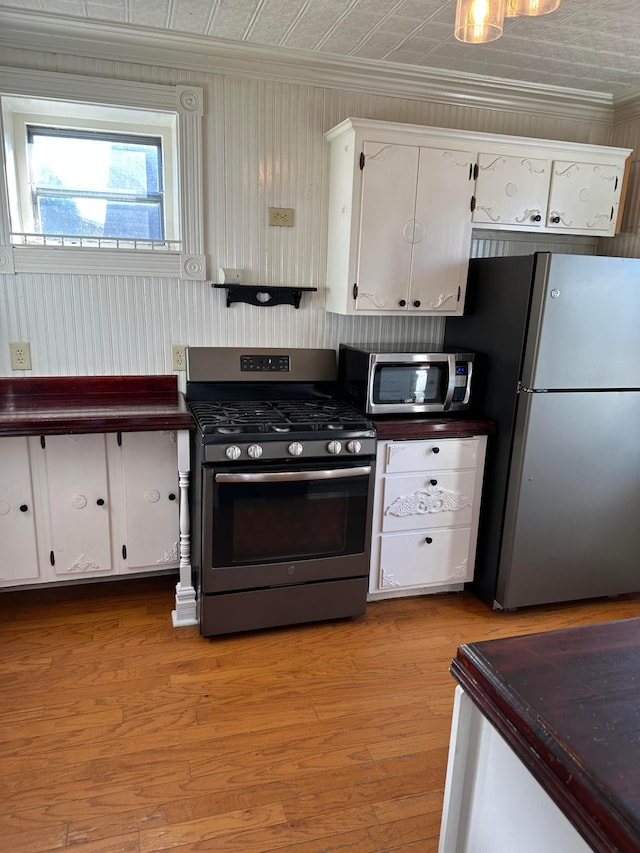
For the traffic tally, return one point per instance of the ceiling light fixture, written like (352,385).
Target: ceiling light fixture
(479,21)
(533,7)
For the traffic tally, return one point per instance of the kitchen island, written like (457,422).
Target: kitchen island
(545,743)
(90,464)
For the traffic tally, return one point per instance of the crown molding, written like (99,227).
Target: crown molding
(37,31)
(628,107)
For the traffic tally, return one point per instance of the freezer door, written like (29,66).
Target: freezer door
(572,528)
(583,330)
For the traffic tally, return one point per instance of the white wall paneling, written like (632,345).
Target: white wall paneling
(263,146)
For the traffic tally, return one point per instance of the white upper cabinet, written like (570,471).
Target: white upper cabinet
(415,226)
(403,200)
(584,197)
(399,221)
(552,187)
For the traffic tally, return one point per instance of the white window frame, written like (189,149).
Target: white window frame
(36,95)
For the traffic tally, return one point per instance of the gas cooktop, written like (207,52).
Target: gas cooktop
(277,416)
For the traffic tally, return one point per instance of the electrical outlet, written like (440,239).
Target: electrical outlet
(20,355)
(281,216)
(179,356)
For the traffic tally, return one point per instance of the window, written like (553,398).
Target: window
(93,184)
(101,173)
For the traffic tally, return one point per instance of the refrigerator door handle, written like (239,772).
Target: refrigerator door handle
(451,362)
(524,390)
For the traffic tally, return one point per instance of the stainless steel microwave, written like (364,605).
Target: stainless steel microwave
(381,380)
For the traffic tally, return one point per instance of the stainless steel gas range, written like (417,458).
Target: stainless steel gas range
(282,491)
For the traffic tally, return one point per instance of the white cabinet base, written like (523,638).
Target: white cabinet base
(419,590)
(84,507)
(425,515)
(492,804)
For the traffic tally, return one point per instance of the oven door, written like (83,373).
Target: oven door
(277,524)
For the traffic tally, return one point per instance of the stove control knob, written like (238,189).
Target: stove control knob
(354,446)
(254,451)
(295,448)
(233,452)
(334,447)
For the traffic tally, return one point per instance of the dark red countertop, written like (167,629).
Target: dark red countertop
(397,427)
(81,404)
(568,704)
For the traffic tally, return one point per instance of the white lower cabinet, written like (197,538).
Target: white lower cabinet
(426,508)
(76,535)
(87,505)
(149,476)
(19,560)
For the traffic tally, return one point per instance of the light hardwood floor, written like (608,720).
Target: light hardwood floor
(119,733)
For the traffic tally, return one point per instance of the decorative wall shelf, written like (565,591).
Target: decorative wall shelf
(253,294)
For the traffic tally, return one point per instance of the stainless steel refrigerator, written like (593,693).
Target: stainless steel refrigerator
(558,338)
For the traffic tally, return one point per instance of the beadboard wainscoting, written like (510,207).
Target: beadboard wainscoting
(263,146)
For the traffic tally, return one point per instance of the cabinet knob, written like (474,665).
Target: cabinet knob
(555,219)
(416,303)
(536,218)
(428,540)
(100,501)
(24,508)
(172,496)
(435,450)
(402,303)
(433,482)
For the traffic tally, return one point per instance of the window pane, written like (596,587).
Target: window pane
(83,217)
(96,184)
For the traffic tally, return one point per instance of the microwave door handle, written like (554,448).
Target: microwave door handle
(294,476)
(451,361)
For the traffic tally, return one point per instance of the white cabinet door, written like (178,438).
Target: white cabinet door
(415,229)
(19,561)
(150,495)
(512,190)
(386,226)
(79,504)
(418,559)
(584,197)
(441,233)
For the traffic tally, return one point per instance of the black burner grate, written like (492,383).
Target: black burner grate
(280,416)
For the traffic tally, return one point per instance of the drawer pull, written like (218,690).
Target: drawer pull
(428,540)
(24,508)
(436,450)
(100,501)
(433,482)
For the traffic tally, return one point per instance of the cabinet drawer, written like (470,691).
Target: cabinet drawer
(422,501)
(433,455)
(410,560)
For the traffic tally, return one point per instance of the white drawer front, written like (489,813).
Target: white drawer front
(411,560)
(423,501)
(431,455)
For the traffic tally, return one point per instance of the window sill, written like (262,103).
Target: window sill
(58,259)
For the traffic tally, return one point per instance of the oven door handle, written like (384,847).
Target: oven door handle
(294,476)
